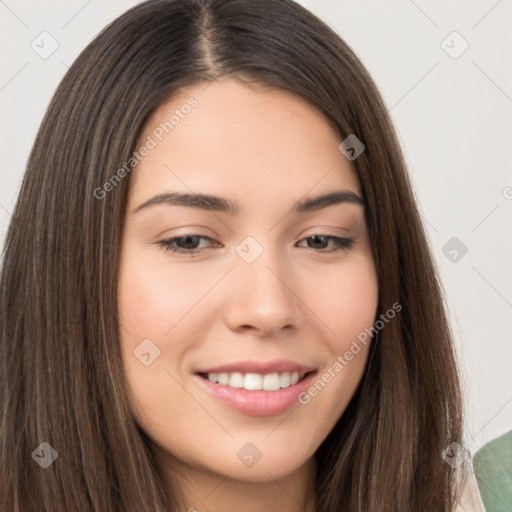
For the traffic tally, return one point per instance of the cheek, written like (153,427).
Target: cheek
(161,313)
(153,298)
(151,304)
(349,306)
(347,301)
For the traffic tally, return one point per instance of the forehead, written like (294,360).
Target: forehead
(238,140)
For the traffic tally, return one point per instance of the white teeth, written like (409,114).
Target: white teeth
(284,380)
(223,378)
(255,381)
(271,382)
(236,380)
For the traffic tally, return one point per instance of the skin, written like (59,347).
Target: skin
(265,149)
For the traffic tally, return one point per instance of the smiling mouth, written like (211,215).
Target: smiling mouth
(256,381)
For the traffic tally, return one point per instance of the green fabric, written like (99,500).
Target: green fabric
(493,470)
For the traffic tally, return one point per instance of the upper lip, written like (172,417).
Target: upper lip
(262,367)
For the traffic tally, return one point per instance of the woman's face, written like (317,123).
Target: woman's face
(214,340)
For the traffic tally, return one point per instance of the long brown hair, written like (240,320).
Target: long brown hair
(61,370)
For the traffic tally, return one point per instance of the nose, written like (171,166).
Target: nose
(262,298)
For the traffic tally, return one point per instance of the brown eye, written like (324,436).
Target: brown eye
(321,243)
(187,244)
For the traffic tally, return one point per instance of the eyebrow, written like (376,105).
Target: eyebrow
(222,205)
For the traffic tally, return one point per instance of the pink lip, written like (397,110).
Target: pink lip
(256,403)
(279,366)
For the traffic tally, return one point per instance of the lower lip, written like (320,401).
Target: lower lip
(256,403)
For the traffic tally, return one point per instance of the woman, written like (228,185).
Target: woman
(216,290)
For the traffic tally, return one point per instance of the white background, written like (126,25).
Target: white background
(453,115)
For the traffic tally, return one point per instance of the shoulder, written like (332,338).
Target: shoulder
(469,495)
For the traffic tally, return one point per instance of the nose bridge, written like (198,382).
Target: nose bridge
(260,293)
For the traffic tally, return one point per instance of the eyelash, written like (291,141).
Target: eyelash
(341,243)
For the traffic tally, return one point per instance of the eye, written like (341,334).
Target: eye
(190,243)
(321,242)
(187,244)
